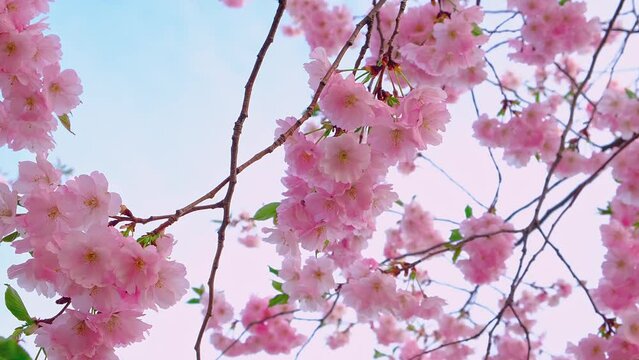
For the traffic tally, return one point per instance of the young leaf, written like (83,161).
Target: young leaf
(148,239)
(606,211)
(468,211)
(199,290)
(455,235)
(476,31)
(193,301)
(9,238)
(392,101)
(631,94)
(15,305)
(266,212)
(278,300)
(456,253)
(277,286)
(273,271)
(10,350)
(378,354)
(66,122)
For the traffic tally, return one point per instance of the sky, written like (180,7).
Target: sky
(163,83)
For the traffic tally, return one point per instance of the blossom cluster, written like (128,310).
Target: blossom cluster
(486,254)
(416,231)
(324,27)
(32,84)
(534,132)
(550,28)
(269,329)
(436,44)
(110,279)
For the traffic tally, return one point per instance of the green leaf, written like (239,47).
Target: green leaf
(278,300)
(562,2)
(277,286)
(273,271)
(457,253)
(468,211)
(266,212)
(606,211)
(378,354)
(502,112)
(476,31)
(148,239)
(199,290)
(392,101)
(455,235)
(631,94)
(66,122)
(399,202)
(10,350)
(14,303)
(9,238)
(193,301)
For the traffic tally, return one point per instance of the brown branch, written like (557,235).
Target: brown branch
(134,219)
(402,7)
(237,131)
(526,332)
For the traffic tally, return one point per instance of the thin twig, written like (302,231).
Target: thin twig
(235,144)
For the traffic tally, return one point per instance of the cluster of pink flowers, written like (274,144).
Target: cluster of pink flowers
(323,26)
(550,29)
(109,278)
(618,289)
(32,85)
(435,45)
(334,184)
(529,133)
(534,132)
(486,254)
(594,347)
(416,232)
(617,112)
(269,330)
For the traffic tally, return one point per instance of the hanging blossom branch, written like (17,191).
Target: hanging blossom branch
(278,142)
(573,108)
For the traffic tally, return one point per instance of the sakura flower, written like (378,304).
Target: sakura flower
(8,205)
(317,68)
(344,158)
(170,287)
(62,89)
(36,175)
(87,258)
(136,268)
(348,104)
(121,328)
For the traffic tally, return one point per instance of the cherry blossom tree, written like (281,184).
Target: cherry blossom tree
(385,87)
